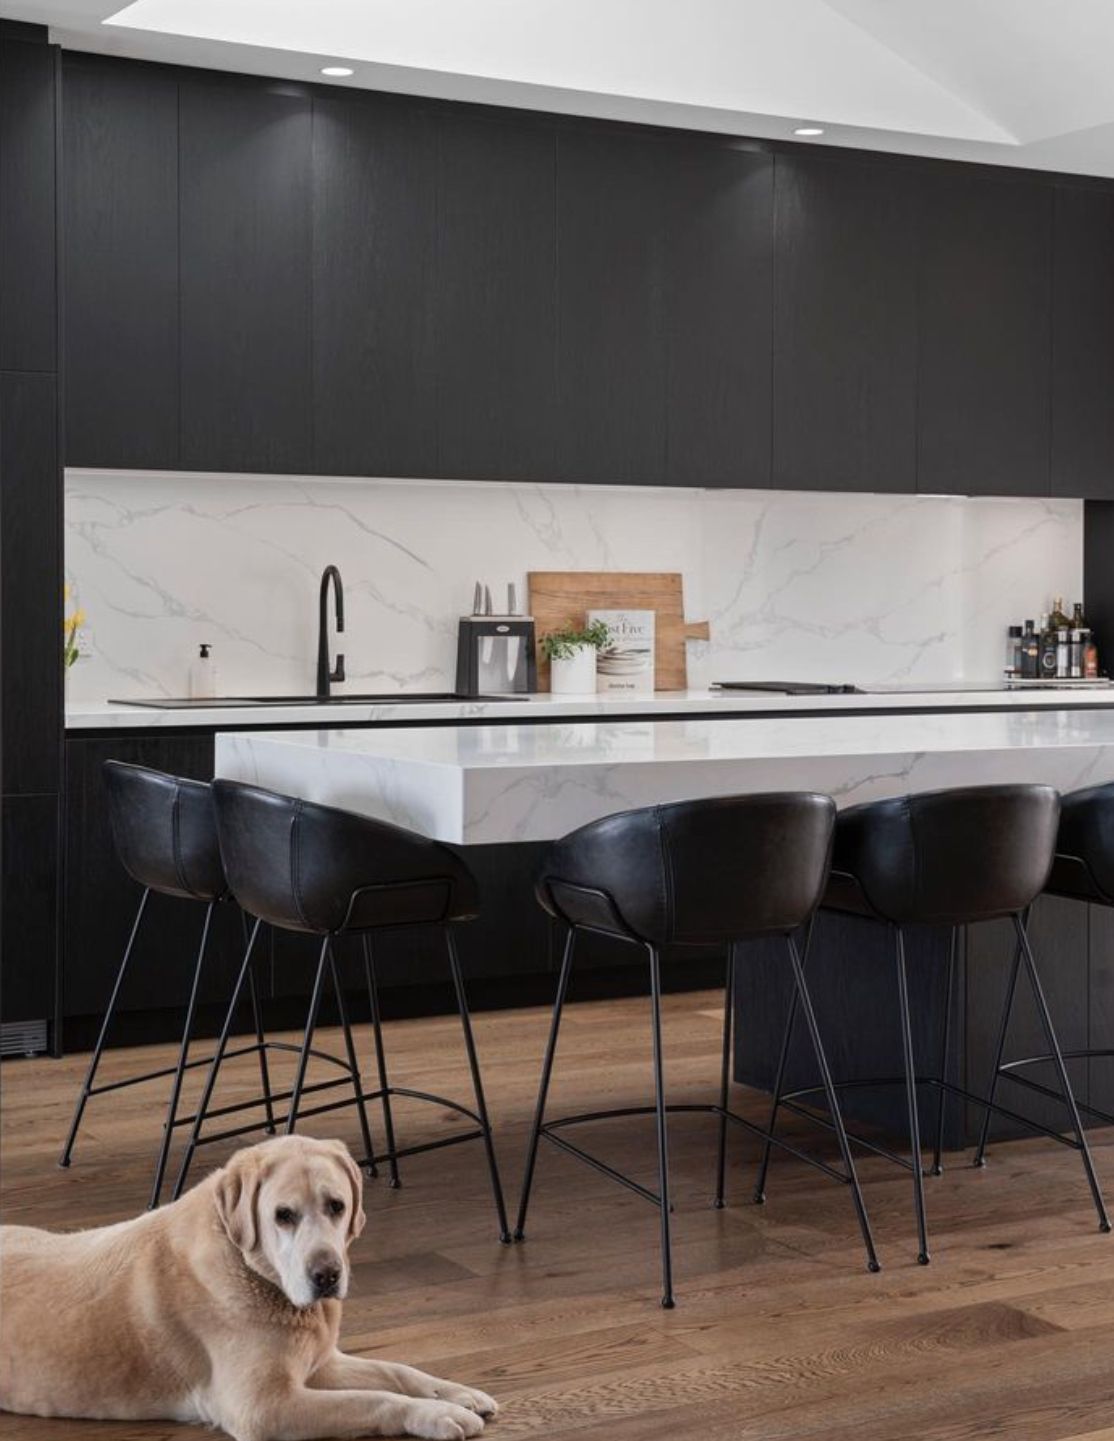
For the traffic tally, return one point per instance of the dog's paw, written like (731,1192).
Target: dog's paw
(468,1397)
(442,1421)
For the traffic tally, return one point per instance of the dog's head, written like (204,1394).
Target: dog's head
(292,1207)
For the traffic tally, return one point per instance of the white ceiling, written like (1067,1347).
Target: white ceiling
(1014,82)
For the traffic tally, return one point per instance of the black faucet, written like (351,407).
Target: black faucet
(324,675)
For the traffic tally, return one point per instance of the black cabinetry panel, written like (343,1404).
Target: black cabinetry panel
(245,277)
(496,299)
(719,266)
(30,871)
(845,352)
(31,583)
(120,199)
(985,312)
(28,302)
(374,362)
(611,314)
(1083,344)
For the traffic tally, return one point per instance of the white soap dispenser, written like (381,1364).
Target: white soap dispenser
(203,675)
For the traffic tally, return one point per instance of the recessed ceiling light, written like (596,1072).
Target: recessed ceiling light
(338,70)
(800,130)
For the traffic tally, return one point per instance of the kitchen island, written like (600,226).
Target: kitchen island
(513,787)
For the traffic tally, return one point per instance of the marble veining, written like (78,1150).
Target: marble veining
(492,784)
(867,588)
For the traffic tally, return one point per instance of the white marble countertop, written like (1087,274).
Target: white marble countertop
(107,715)
(486,784)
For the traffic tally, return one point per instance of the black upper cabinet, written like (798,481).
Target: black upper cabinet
(845,326)
(1083,344)
(120,197)
(985,311)
(496,323)
(30,583)
(245,276)
(718,271)
(374,209)
(611,313)
(27,206)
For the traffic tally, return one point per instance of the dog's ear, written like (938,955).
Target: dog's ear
(356,1216)
(237,1196)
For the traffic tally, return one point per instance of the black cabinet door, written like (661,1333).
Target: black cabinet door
(1083,344)
(27,205)
(120,198)
(984,363)
(374,209)
(30,917)
(496,318)
(718,274)
(245,276)
(101,899)
(845,326)
(611,315)
(30,583)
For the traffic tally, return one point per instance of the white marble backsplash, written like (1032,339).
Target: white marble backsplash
(803,586)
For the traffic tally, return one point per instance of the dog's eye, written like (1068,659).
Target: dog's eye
(285,1216)
(334,1207)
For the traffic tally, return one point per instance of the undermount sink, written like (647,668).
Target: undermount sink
(376,698)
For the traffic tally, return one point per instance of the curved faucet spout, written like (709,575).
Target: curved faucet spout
(325,674)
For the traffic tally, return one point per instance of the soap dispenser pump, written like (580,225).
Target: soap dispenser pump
(203,675)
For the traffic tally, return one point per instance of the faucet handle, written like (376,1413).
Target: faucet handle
(338,674)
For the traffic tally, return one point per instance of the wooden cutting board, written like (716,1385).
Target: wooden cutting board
(563,597)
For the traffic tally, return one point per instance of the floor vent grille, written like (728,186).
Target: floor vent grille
(22,1038)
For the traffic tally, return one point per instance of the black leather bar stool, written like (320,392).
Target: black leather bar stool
(312,869)
(1083,870)
(165,834)
(697,873)
(950,858)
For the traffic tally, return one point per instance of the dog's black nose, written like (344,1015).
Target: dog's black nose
(325,1276)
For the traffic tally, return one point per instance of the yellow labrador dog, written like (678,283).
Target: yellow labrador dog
(223,1309)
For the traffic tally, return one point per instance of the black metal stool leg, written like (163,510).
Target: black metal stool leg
(663,1138)
(725,1078)
(381,1062)
(779,1082)
(911,1096)
(218,1057)
(999,1052)
(543,1084)
(801,990)
(90,1075)
(1062,1072)
(260,1038)
(180,1069)
(945,1052)
(307,1038)
(477,1086)
(354,1067)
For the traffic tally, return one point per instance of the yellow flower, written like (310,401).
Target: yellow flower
(67,591)
(78,618)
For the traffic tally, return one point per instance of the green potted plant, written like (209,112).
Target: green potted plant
(571,653)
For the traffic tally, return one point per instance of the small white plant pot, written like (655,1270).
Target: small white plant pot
(574,674)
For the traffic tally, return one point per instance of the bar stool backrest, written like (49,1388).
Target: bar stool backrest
(307,867)
(1087,836)
(698,872)
(165,831)
(951,857)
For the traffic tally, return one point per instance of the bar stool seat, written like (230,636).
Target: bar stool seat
(1083,868)
(951,858)
(313,869)
(696,873)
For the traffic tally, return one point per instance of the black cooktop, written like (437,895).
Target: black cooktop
(787,687)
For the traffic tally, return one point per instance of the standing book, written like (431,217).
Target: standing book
(626,664)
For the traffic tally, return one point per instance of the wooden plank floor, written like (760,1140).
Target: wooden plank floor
(779,1331)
